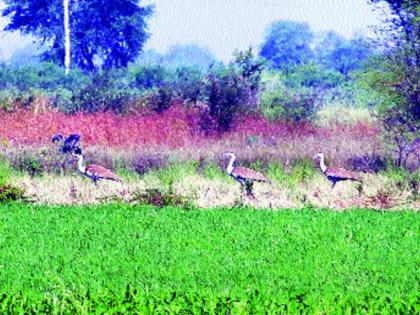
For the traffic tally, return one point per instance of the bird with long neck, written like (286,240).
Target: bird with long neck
(245,176)
(92,171)
(335,174)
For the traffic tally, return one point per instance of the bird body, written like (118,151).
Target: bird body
(244,175)
(92,171)
(335,174)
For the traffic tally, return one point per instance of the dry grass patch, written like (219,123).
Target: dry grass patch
(207,193)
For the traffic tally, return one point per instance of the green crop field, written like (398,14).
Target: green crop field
(127,259)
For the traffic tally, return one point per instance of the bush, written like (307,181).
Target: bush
(226,93)
(295,106)
(277,101)
(103,93)
(367,163)
(175,172)
(160,100)
(141,164)
(9,193)
(148,76)
(188,83)
(5,171)
(160,199)
(7,98)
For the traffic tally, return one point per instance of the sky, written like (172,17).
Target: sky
(226,26)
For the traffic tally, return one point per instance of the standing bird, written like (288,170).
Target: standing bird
(243,175)
(94,172)
(335,174)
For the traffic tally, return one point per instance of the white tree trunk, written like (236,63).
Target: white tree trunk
(66,36)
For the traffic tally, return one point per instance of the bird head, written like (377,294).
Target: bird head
(230,154)
(77,152)
(318,156)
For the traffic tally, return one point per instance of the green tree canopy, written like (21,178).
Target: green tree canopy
(287,44)
(395,76)
(103,33)
(337,53)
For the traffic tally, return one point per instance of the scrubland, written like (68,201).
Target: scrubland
(166,151)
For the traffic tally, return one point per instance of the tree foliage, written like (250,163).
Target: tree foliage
(189,55)
(337,53)
(397,74)
(106,33)
(287,44)
(229,90)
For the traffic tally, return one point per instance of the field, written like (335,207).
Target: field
(281,179)
(121,258)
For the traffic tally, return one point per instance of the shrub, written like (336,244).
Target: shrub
(211,170)
(369,163)
(148,76)
(295,106)
(230,90)
(175,171)
(143,163)
(302,170)
(397,177)
(10,193)
(226,94)
(7,98)
(279,102)
(102,93)
(160,100)
(160,199)
(5,171)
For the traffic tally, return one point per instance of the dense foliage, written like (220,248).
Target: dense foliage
(395,74)
(121,258)
(112,31)
(287,44)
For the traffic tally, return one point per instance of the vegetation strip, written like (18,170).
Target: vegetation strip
(124,258)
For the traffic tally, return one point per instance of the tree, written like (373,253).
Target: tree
(230,90)
(189,55)
(396,75)
(104,33)
(66,36)
(336,53)
(287,44)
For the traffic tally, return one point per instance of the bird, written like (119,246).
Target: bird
(245,176)
(94,172)
(69,144)
(335,174)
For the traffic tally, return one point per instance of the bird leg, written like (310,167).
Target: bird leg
(249,185)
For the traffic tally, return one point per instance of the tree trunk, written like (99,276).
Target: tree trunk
(66,36)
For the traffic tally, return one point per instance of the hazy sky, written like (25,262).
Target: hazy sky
(224,26)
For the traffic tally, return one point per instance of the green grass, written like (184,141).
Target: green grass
(80,258)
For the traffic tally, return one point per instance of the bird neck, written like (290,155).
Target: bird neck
(229,168)
(80,164)
(322,164)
